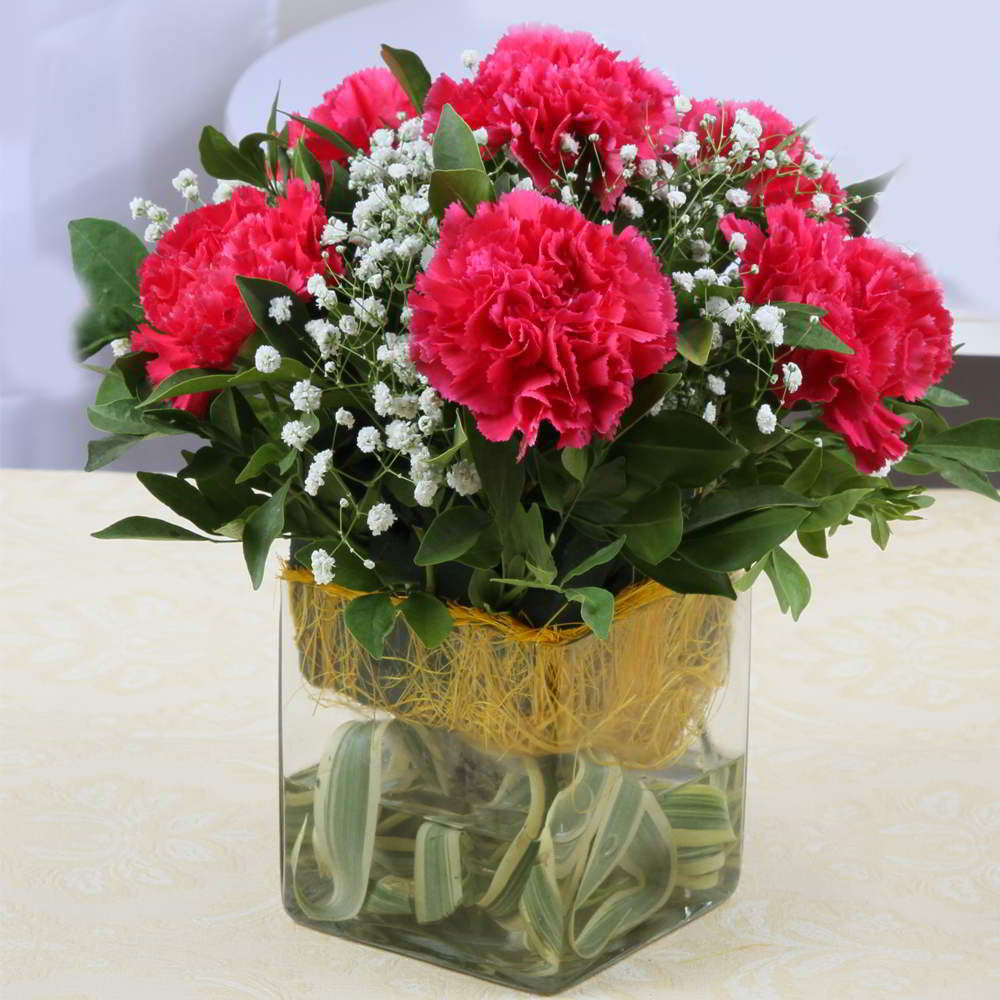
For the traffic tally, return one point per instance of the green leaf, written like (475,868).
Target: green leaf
(452,533)
(864,211)
(975,444)
(694,340)
(106,258)
(654,525)
(683,577)
(679,447)
(437,872)
(814,542)
(345,812)
(603,555)
(263,526)
(804,475)
(791,585)
(802,331)
(647,393)
(272,124)
(182,498)
(743,540)
(267,454)
(120,416)
(428,617)
(223,160)
(951,470)
(937,395)
(151,528)
(470,187)
(501,474)
(408,68)
(103,451)
(324,132)
(189,380)
(597,608)
(370,619)
(306,167)
(834,509)
(525,538)
(726,503)
(744,582)
(575,461)
(455,147)
(257,294)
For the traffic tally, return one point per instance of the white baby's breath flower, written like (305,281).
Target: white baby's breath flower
(821,203)
(305,396)
(569,144)
(884,470)
(323,565)
(224,191)
(766,420)
(628,152)
(381,518)
(684,279)
(334,232)
(630,206)
(155,231)
(768,318)
(481,136)
(737,197)
(709,413)
(296,434)
(791,375)
(121,347)
(369,440)
(648,169)
(525,184)
(688,147)
(266,359)
(701,251)
(682,104)
(463,478)
(369,564)
(344,417)
(138,206)
(470,58)
(348,325)
(716,385)
(318,469)
(401,435)
(424,492)
(324,335)
(706,274)
(186,183)
(675,197)
(566,195)
(280,309)
(737,242)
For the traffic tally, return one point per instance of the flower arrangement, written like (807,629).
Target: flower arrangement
(521,350)
(519,340)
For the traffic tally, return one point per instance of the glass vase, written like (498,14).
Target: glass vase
(520,805)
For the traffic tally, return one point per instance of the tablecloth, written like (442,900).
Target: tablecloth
(138,806)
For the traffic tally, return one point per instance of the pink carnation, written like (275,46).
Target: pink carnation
(801,260)
(530,312)
(542,83)
(196,315)
(358,106)
(898,304)
(774,186)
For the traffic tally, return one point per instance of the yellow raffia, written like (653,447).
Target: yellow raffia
(642,695)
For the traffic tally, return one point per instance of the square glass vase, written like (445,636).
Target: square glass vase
(522,809)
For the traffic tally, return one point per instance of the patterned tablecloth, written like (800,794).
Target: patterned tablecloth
(138,808)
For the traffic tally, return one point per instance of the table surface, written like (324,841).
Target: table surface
(139,834)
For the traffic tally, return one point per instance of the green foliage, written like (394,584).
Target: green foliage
(694,340)
(450,535)
(408,68)
(791,585)
(597,608)
(262,528)
(106,258)
(223,160)
(428,618)
(370,619)
(739,542)
(148,528)
(459,173)
(863,211)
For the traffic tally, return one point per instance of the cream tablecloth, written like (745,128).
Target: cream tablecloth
(138,846)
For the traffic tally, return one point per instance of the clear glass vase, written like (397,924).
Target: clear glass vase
(524,811)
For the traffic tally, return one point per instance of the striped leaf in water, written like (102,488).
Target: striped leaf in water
(524,838)
(698,814)
(345,809)
(651,860)
(391,896)
(437,869)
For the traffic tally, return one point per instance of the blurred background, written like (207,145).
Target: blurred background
(106,99)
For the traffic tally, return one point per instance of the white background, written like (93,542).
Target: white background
(105,100)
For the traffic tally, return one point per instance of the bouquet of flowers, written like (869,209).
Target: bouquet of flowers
(515,345)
